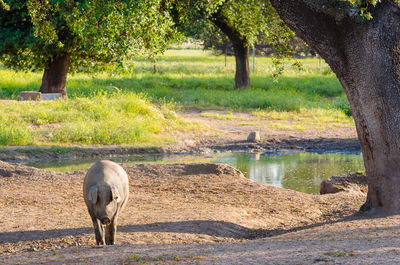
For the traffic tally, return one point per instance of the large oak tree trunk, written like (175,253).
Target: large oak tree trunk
(240,47)
(365,55)
(55,75)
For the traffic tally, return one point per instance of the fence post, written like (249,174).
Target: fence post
(254,57)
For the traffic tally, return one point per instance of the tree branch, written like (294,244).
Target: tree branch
(227,28)
(323,24)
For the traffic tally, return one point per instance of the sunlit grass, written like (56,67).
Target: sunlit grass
(12,82)
(104,119)
(305,119)
(140,114)
(198,78)
(218,116)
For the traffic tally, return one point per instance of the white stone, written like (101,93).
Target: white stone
(51,96)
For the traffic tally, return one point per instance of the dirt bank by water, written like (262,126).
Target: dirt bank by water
(169,204)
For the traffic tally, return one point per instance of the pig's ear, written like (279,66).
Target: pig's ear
(115,194)
(92,196)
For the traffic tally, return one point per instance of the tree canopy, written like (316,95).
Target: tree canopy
(243,22)
(33,32)
(253,19)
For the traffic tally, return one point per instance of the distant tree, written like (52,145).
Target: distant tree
(58,36)
(241,22)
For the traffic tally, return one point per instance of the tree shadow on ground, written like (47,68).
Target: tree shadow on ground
(205,227)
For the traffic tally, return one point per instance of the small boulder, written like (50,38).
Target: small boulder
(51,96)
(328,187)
(30,95)
(348,182)
(253,137)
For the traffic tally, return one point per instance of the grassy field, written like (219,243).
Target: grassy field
(103,119)
(96,113)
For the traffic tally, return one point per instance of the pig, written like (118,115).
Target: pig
(106,192)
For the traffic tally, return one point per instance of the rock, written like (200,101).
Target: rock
(30,95)
(33,95)
(253,136)
(51,96)
(349,182)
(328,187)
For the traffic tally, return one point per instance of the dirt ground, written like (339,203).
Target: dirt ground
(169,204)
(193,213)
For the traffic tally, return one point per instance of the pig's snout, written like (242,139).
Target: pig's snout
(105,221)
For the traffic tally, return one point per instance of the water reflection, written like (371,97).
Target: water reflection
(301,171)
(297,171)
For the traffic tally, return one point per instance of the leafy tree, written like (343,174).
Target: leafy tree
(59,36)
(241,21)
(360,40)
(4,5)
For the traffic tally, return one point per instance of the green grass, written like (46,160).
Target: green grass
(12,83)
(305,119)
(131,106)
(197,78)
(104,119)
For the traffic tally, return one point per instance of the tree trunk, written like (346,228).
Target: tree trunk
(55,75)
(240,47)
(365,55)
(242,75)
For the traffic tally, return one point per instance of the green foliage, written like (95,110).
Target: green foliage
(94,33)
(4,5)
(251,18)
(252,21)
(365,7)
(256,19)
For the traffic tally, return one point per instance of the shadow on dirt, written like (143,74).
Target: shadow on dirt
(260,233)
(212,228)
(12,237)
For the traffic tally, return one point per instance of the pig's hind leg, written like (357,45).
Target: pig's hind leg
(98,230)
(111,230)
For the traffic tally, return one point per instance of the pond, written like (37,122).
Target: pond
(297,171)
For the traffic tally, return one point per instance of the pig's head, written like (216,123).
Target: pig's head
(104,199)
